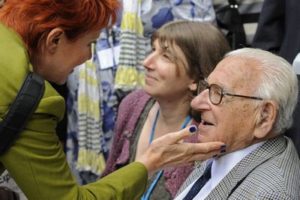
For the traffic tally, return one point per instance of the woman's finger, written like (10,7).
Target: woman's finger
(176,137)
(204,148)
(187,152)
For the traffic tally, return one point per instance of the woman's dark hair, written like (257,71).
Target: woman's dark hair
(202,44)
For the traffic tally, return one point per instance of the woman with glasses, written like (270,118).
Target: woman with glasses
(183,53)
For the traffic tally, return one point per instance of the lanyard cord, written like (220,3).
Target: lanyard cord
(149,191)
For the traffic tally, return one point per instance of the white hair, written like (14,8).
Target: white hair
(278,83)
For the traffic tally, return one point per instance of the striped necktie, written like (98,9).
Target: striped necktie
(199,183)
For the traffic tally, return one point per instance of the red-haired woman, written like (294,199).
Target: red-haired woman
(50,38)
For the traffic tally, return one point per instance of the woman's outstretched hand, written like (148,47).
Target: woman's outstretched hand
(169,150)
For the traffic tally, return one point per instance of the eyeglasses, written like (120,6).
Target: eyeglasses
(216,93)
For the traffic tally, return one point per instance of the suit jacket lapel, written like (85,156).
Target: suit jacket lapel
(245,166)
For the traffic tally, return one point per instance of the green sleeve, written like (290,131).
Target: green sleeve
(38,165)
(128,182)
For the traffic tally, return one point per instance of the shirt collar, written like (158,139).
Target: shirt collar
(221,166)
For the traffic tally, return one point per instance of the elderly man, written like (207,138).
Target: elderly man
(248,104)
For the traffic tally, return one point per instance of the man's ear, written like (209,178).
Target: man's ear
(266,119)
(53,39)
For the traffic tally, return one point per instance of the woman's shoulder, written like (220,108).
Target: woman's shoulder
(131,108)
(135,98)
(137,94)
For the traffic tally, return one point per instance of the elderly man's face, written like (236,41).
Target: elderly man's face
(233,121)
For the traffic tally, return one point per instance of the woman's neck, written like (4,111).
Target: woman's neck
(171,116)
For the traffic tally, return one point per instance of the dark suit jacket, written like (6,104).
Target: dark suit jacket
(278,28)
(272,171)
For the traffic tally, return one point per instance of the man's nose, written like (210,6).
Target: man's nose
(201,101)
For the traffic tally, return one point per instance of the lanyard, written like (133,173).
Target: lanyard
(149,191)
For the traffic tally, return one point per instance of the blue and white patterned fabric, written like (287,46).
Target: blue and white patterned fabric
(108,41)
(105,62)
(156,13)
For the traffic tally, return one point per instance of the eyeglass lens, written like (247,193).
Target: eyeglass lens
(215,94)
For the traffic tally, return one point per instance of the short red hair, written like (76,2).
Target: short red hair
(34,19)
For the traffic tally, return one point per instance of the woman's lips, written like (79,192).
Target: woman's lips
(149,79)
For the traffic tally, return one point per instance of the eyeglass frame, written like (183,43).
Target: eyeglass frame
(222,94)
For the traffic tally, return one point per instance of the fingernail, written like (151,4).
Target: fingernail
(193,129)
(223,148)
